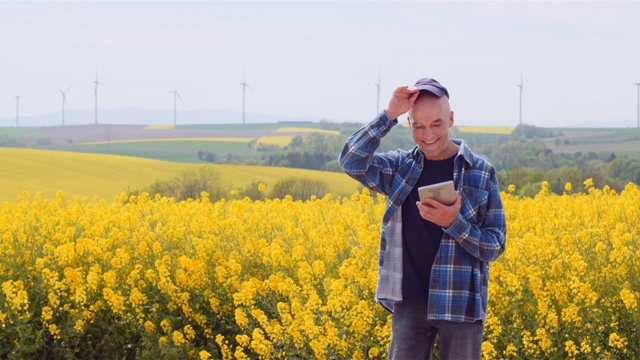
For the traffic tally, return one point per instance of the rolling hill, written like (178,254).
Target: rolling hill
(106,176)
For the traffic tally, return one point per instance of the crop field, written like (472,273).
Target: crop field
(619,141)
(501,130)
(161,149)
(152,278)
(107,176)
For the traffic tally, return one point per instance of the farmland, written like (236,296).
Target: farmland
(107,176)
(87,270)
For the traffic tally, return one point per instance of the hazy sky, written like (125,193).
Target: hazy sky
(579,59)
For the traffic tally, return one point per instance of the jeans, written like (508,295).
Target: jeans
(413,336)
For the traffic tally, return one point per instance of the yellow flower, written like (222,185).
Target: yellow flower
(204,355)
(166,327)
(629,299)
(79,327)
(149,327)
(47,313)
(567,187)
(615,341)
(189,333)
(588,183)
(570,348)
(54,331)
(178,338)
(512,188)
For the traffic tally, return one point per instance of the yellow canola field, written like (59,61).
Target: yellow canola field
(280,141)
(107,176)
(281,279)
(504,130)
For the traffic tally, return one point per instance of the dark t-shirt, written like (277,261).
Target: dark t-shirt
(421,238)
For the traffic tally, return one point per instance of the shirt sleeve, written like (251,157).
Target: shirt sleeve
(482,233)
(359,159)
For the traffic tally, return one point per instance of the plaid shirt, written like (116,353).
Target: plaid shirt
(458,287)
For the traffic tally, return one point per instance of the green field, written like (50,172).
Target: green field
(185,151)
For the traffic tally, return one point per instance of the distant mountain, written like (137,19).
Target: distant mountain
(141,116)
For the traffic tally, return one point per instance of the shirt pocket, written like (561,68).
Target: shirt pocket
(474,204)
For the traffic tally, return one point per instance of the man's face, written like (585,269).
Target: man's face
(429,120)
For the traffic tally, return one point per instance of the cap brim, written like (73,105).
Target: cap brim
(433,89)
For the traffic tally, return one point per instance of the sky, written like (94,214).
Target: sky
(579,60)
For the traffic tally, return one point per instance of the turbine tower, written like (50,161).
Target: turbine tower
(244,88)
(64,100)
(377,85)
(95,95)
(638,85)
(521,85)
(176,96)
(18,110)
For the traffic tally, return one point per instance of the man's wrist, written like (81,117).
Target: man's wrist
(391,116)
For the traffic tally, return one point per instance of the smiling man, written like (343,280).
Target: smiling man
(434,259)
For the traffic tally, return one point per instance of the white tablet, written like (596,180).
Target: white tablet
(443,192)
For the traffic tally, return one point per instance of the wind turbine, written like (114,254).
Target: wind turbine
(18,110)
(244,88)
(377,85)
(521,85)
(64,100)
(638,85)
(95,95)
(176,96)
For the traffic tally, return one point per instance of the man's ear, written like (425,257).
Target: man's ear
(451,119)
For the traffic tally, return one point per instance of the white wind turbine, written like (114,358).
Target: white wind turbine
(18,110)
(377,85)
(176,96)
(244,88)
(64,100)
(95,95)
(638,85)
(521,85)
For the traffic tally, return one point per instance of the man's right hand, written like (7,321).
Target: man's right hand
(401,101)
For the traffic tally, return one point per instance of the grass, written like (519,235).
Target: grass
(239,127)
(107,176)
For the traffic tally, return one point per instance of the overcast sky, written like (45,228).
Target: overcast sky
(579,60)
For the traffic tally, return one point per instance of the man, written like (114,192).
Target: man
(434,259)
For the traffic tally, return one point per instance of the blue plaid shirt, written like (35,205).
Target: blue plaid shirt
(458,287)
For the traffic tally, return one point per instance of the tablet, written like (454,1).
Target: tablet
(443,192)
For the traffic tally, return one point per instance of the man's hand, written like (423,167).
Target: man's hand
(401,101)
(438,213)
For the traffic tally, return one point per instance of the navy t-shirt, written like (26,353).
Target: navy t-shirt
(421,238)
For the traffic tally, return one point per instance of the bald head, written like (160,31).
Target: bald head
(427,101)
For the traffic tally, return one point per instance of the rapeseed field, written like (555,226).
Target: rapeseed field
(143,277)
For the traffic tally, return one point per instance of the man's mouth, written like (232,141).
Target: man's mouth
(430,142)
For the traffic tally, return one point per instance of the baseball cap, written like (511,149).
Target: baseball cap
(432,86)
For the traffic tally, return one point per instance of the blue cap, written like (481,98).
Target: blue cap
(432,86)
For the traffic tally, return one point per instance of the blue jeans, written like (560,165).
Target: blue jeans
(413,336)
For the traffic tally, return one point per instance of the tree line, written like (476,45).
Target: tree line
(520,158)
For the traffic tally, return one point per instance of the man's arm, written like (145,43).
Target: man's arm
(485,240)
(359,159)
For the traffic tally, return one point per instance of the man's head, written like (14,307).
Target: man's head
(430,119)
